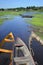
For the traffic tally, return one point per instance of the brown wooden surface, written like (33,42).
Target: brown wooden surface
(5,51)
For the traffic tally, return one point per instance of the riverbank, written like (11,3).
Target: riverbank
(37,24)
(12,13)
(3,19)
(2,13)
(37,21)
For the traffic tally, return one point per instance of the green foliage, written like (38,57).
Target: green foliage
(34,8)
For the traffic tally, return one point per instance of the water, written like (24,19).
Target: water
(20,28)
(38,52)
(32,13)
(17,26)
(6,17)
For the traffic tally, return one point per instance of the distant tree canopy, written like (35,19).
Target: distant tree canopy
(2,9)
(23,8)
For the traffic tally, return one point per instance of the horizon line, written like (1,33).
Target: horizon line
(19,7)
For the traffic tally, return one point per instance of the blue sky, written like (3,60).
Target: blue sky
(20,3)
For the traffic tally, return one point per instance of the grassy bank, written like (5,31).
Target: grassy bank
(3,19)
(37,22)
(3,13)
(11,12)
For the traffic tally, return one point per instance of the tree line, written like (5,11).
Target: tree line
(23,8)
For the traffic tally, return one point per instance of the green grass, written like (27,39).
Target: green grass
(10,13)
(2,20)
(37,22)
(3,13)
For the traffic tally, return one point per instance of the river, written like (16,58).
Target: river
(19,28)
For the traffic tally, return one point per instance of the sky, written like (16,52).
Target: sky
(20,3)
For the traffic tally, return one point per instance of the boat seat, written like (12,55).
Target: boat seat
(23,60)
(18,45)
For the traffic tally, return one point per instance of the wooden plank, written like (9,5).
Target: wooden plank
(5,51)
(21,59)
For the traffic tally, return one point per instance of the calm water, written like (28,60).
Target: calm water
(20,28)
(38,52)
(17,26)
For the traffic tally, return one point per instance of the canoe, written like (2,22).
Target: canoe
(27,58)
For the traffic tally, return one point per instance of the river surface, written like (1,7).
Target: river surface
(19,28)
